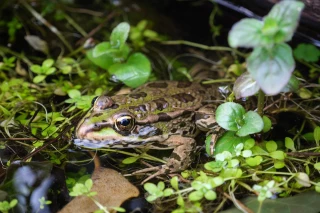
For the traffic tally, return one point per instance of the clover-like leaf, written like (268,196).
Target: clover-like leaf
(39,78)
(252,123)
(134,72)
(307,52)
(229,116)
(271,68)
(289,144)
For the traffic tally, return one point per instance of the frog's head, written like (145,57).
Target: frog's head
(109,125)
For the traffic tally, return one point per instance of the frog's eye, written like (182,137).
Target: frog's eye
(124,123)
(94,100)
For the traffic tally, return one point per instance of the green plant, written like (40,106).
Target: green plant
(43,71)
(133,70)
(271,63)
(5,206)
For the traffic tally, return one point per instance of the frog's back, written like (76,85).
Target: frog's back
(164,96)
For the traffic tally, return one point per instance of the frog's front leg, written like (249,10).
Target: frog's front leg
(179,160)
(205,120)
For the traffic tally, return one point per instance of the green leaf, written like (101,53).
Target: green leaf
(168,192)
(317,188)
(245,86)
(150,187)
(195,196)
(13,203)
(271,68)
(248,144)
(246,33)
(228,141)
(278,155)
(215,166)
(47,63)
(229,116)
(50,71)
(134,72)
(130,160)
(289,144)
(74,93)
(36,69)
(317,166)
(279,164)
(307,52)
(254,161)
(286,14)
(304,93)
(256,150)
(253,123)
(39,78)
(104,58)
(119,35)
(271,146)
(88,184)
(174,182)
(266,123)
(270,26)
(316,135)
(210,195)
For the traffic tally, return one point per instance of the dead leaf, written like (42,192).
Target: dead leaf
(112,190)
(37,43)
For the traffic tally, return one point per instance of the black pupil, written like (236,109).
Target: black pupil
(125,122)
(93,100)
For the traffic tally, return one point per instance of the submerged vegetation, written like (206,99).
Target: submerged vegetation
(49,76)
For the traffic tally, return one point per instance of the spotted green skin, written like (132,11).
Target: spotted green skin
(167,115)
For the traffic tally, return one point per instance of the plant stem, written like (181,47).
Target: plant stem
(261,96)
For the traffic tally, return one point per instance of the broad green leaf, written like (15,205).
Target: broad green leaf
(150,187)
(230,116)
(304,202)
(252,123)
(39,78)
(286,14)
(279,164)
(271,146)
(266,123)
(271,68)
(119,35)
(248,144)
(257,150)
(134,72)
(195,196)
(161,185)
(36,69)
(231,173)
(307,52)
(168,192)
(316,135)
(317,188)
(50,71)
(245,86)
(289,144)
(47,63)
(317,166)
(74,93)
(278,155)
(210,195)
(254,161)
(104,58)
(228,141)
(246,33)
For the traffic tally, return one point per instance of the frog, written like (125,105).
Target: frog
(157,115)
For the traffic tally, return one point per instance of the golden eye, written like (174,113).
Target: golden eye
(124,123)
